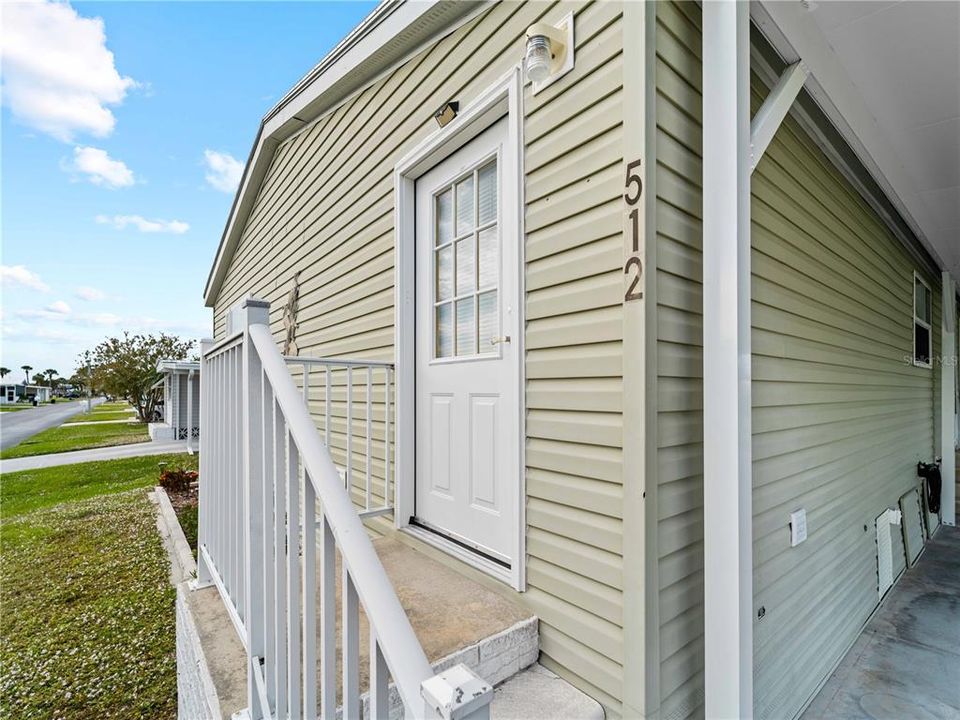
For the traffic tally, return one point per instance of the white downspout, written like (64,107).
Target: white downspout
(948,379)
(727,453)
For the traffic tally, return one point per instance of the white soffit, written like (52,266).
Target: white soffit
(887,74)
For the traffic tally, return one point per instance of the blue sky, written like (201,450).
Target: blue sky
(118,172)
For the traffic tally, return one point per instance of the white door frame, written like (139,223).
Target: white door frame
(503,98)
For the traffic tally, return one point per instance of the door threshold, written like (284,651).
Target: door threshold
(466,555)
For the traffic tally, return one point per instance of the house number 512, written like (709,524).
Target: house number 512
(633,266)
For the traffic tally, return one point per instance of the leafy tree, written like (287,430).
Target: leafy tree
(4,372)
(78,379)
(26,373)
(39,379)
(127,367)
(50,372)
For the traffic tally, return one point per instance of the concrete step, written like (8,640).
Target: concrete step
(537,694)
(456,619)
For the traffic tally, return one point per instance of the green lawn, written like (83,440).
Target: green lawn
(14,408)
(29,490)
(113,407)
(99,417)
(87,628)
(78,437)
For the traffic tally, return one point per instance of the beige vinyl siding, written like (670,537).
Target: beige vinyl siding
(326,208)
(840,416)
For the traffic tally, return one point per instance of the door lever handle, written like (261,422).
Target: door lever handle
(503,339)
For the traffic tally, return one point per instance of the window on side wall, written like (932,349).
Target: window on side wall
(922,315)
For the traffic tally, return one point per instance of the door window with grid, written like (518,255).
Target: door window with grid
(467,265)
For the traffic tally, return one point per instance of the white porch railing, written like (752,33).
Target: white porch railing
(264,474)
(333,384)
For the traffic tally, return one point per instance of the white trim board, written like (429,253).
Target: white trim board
(503,98)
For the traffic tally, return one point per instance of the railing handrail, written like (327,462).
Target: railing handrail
(388,622)
(336,362)
(234,338)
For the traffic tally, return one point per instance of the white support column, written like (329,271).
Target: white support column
(774,109)
(727,457)
(948,393)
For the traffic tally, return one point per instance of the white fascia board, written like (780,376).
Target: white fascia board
(355,62)
(795,35)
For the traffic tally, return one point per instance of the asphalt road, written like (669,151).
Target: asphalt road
(15,427)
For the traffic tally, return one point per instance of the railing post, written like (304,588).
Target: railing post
(253,312)
(457,694)
(204,577)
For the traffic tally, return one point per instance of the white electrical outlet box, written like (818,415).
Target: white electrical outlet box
(798,527)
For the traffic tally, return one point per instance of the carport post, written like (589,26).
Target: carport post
(727,488)
(948,393)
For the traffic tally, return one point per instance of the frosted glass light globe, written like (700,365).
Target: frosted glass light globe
(538,58)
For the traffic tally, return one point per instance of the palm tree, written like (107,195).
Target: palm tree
(4,372)
(38,379)
(26,373)
(50,372)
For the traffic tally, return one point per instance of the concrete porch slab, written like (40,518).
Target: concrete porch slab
(906,664)
(455,619)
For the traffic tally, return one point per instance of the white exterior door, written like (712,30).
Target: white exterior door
(467,457)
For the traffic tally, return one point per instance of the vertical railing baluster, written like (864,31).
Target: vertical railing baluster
(369,433)
(280,540)
(294,629)
(350,641)
(306,384)
(328,620)
(379,678)
(236,497)
(386,439)
(269,555)
(326,410)
(309,598)
(349,474)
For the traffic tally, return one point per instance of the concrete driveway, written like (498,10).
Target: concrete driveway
(15,427)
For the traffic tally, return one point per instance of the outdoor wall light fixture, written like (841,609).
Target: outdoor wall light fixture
(549,52)
(447,113)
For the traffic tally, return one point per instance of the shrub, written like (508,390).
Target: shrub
(177,479)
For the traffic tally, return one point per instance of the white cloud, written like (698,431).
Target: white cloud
(59,76)
(223,170)
(90,294)
(58,310)
(120,222)
(19,275)
(100,168)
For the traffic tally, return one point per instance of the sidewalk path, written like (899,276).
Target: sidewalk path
(92,455)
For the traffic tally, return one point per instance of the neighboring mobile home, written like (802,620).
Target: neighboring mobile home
(180,383)
(659,401)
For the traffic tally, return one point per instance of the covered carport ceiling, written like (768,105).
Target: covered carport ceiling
(887,74)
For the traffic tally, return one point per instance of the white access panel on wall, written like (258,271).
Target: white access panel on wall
(912,525)
(884,553)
